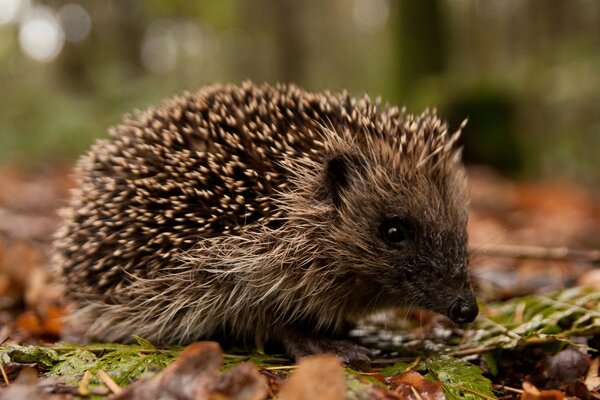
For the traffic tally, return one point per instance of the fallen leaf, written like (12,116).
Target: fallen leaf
(27,387)
(590,278)
(195,375)
(530,392)
(242,382)
(317,377)
(427,390)
(29,322)
(52,320)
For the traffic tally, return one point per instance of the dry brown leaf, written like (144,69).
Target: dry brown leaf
(317,377)
(27,386)
(427,390)
(530,392)
(29,323)
(195,375)
(590,278)
(242,382)
(52,320)
(379,393)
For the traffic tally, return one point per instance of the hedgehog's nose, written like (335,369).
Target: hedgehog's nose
(462,311)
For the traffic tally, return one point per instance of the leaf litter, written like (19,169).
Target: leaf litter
(533,339)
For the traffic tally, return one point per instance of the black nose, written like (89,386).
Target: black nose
(462,311)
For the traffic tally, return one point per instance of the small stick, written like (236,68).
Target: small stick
(413,364)
(116,389)
(538,252)
(520,312)
(471,351)
(84,389)
(416,393)
(4,375)
(4,334)
(281,367)
(509,389)
(504,329)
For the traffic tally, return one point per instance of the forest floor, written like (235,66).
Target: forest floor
(534,257)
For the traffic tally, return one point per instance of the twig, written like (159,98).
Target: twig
(542,340)
(4,334)
(112,385)
(236,356)
(504,329)
(476,392)
(520,312)
(4,374)
(413,364)
(416,393)
(508,389)
(370,373)
(281,367)
(471,351)
(84,389)
(539,252)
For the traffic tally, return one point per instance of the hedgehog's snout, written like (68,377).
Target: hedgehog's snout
(464,309)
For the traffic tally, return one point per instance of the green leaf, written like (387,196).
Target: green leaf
(73,365)
(143,343)
(460,379)
(122,362)
(401,367)
(491,362)
(534,319)
(43,356)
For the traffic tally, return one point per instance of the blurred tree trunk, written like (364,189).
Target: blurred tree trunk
(73,68)
(275,29)
(421,42)
(288,26)
(128,32)
(125,26)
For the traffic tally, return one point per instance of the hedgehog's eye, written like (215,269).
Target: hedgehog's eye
(393,231)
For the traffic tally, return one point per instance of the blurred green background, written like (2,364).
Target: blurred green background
(525,72)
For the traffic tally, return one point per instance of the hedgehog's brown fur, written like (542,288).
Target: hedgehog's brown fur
(240,211)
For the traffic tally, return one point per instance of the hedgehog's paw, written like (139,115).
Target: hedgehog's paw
(356,356)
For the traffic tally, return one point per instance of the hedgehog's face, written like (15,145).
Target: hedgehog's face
(401,233)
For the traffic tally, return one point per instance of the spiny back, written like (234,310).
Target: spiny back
(210,164)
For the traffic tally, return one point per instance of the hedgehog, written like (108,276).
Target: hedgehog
(268,214)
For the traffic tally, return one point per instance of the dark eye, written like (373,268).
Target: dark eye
(393,231)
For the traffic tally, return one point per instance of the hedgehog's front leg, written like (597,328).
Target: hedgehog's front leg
(299,344)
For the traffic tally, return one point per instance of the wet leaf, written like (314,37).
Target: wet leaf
(460,379)
(411,381)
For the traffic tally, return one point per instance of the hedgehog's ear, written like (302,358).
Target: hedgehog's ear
(337,171)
